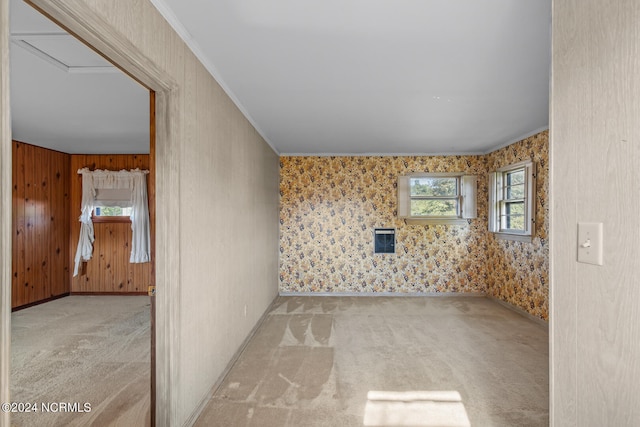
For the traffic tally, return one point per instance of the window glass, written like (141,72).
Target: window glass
(514,184)
(432,186)
(112,211)
(434,207)
(513,217)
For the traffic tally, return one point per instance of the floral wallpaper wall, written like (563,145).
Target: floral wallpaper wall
(330,206)
(518,272)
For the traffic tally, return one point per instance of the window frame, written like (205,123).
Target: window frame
(456,198)
(499,201)
(465,199)
(109,218)
(111,197)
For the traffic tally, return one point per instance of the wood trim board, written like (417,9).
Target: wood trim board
(5,212)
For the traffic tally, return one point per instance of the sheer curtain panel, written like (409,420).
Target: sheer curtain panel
(85,241)
(132,186)
(141,234)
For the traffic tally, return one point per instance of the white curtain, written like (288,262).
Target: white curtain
(85,242)
(141,233)
(136,182)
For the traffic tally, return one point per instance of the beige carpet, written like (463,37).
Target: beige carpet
(82,350)
(387,361)
(315,361)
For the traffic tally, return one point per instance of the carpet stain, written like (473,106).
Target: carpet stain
(314,359)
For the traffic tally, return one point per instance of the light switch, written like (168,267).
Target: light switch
(590,242)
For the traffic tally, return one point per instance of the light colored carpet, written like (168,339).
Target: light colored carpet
(82,349)
(387,361)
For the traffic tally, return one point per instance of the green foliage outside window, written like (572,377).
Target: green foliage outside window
(112,211)
(514,189)
(434,208)
(514,216)
(434,196)
(434,187)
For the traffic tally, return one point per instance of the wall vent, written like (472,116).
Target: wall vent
(384,240)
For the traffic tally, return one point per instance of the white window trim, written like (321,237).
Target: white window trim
(495,197)
(467,205)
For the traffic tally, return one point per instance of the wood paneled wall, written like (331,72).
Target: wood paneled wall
(47,192)
(109,270)
(40,265)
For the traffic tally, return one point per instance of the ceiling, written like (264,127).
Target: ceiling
(326,77)
(66,97)
(377,76)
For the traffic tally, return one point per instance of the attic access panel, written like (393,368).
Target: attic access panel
(63,51)
(384,240)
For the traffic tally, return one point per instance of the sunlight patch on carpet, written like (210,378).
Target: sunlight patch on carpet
(415,408)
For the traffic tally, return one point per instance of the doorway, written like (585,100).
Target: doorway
(42,46)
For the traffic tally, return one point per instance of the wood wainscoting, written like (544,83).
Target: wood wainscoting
(40,238)
(109,271)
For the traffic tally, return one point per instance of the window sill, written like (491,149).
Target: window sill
(106,219)
(515,237)
(435,221)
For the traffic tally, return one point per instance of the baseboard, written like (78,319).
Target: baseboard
(382,294)
(110,293)
(42,301)
(521,312)
(203,403)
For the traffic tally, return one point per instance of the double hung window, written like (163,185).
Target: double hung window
(512,201)
(437,197)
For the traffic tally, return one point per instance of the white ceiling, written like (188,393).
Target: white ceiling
(324,77)
(377,76)
(66,97)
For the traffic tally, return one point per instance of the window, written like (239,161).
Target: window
(512,201)
(437,198)
(112,205)
(432,196)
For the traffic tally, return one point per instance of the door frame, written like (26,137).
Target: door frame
(88,26)
(5,213)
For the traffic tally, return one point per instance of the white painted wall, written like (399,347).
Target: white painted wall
(595,168)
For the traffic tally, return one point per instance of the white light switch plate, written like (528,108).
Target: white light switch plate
(590,242)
